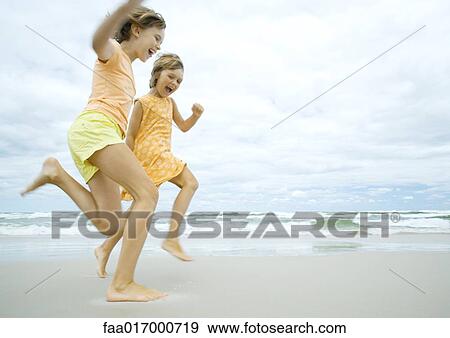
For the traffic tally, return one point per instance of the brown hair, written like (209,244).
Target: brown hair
(165,61)
(143,17)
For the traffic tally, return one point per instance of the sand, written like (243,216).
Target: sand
(339,285)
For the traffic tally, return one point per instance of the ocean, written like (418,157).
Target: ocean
(25,235)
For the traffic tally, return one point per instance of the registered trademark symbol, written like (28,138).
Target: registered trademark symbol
(395,217)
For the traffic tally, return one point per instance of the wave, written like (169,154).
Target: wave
(39,223)
(36,229)
(24,215)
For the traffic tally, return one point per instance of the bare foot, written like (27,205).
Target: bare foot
(173,247)
(102,258)
(152,294)
(133,292)
(48,174)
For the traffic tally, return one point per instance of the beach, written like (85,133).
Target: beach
(336,283)
(406,274)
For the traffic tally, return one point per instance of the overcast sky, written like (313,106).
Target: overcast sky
(378,141)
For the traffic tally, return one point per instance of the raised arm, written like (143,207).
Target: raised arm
(187,124)
(135,123)
(101,42)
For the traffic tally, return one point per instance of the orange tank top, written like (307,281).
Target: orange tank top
(113,87)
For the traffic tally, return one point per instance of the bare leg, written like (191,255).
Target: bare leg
(53,173)
(107,196)
(103,251)
(134,179)
(119,163)
(188,184)
(104,196)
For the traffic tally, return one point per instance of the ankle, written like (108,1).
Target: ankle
(172,240)
(104,250)
(118,285)
(104,246)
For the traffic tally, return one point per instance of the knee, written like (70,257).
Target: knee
(191,184)
(107,227)
(148,193)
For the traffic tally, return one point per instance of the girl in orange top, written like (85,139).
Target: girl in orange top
(149,136)
(96,144)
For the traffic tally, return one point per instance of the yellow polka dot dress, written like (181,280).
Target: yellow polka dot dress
(153,141)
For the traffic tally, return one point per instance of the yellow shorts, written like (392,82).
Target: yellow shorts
(91,131)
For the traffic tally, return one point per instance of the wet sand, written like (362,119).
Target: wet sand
(371,284)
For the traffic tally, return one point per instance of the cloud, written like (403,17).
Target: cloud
(251,64)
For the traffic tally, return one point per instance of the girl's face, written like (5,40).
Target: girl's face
(148,42)
(168,82)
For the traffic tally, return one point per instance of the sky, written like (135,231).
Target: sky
(378,141)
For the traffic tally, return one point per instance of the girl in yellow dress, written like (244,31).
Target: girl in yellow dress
(149,136)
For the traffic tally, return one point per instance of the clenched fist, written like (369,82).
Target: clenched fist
(197,109)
